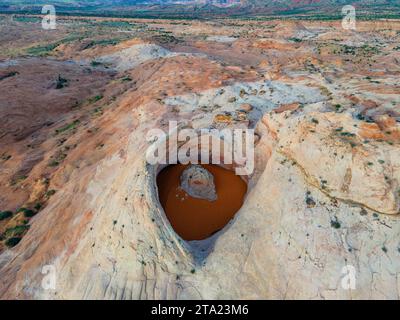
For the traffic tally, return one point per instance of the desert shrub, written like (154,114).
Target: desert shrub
(27,212)
(5,215)
(166,38)
(5,157)
(95,63)
(335,223)
(18,179)
(50,193)
(42,50)
(16,231)
(98,111)
(68,126)
(8,75)
(95,98)
(127,78)
(12,242)
(59,157)
(54,163)
(61,82)
(102,42)
(310,202)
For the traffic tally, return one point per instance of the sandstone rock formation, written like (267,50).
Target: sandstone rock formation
(198,182)
(323,199)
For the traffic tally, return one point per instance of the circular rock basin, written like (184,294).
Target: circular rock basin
(198,219)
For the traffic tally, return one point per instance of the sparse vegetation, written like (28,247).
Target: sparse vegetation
(95,98)
(61,82)
(335,223)
(16,231)
(54,163)
(310,201)
(5,157)
(102,42)
(97,111)
(42,50)
(27,212)
(165,37)
(126,79)
(68,127)
(49,193)
(260,77)
(12,242)
(18,179)
(95,63)
(8,75)
(5,214)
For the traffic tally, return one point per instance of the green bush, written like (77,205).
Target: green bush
(16,231)
(61,82)
(50,193)
(95,63)
(12,242)
(95,98)
(102,42)
(8,75)
(41,51)
(5,215)
(67,127)
(127,78)
(27,212)
(53,163)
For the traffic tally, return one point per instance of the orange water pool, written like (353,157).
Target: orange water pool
(197,219)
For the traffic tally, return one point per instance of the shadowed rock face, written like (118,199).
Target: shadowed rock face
(198,183)
(324,193)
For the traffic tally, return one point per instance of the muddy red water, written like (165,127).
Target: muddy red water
(197,219)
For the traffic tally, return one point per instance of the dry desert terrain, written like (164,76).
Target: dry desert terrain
(76,191)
